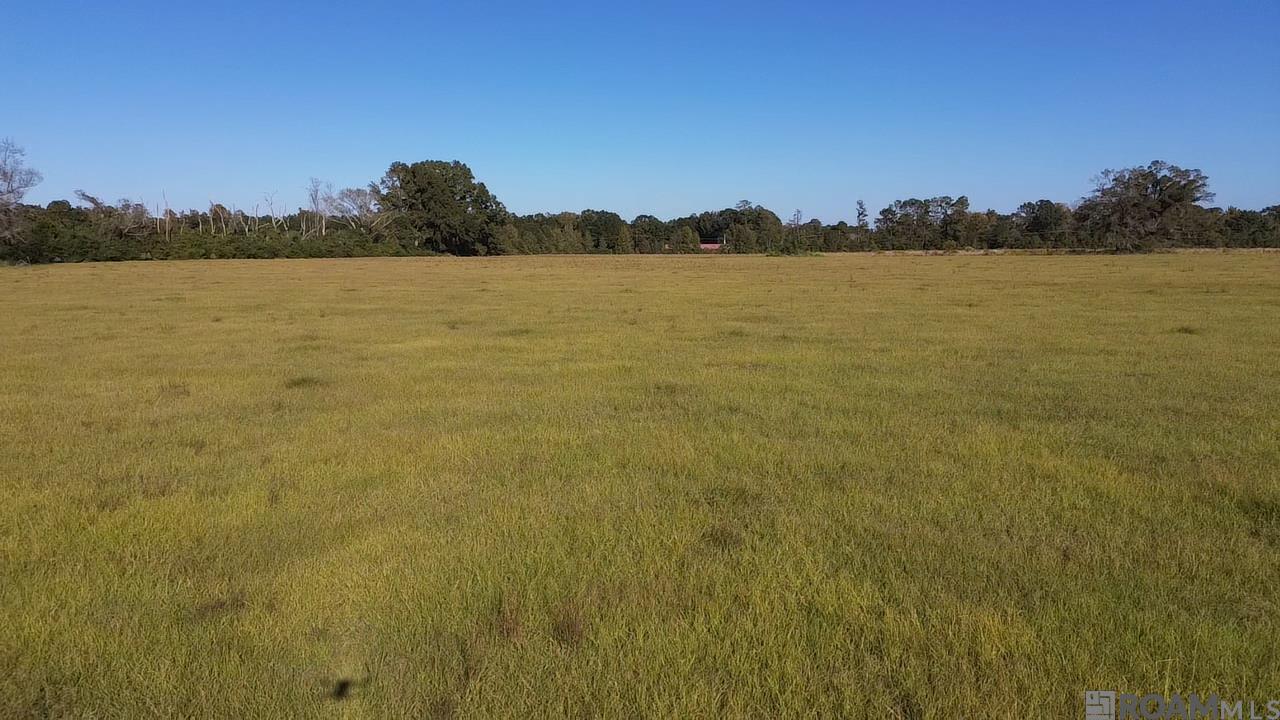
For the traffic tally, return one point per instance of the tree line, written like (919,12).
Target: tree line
(437,207)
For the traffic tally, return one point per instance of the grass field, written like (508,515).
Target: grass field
(855,485)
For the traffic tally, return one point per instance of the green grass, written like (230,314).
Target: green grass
(665,486)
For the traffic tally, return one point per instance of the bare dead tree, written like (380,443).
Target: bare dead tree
(168,216)
(125,219)
(316,201)
(358,208)
(237,218)
(217,217)
(320,197)
(15,180)
(15,177)
(277,219)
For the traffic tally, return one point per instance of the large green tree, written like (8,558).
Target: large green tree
(649,234)
(440,207)
(603,230)
(1045,223)
(1144,207)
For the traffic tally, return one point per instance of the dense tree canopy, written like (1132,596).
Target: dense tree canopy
(435,207)
(439,206)
(1146,207)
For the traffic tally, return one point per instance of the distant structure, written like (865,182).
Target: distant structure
(710,247)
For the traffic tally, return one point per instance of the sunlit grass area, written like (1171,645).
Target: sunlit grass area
(665,486)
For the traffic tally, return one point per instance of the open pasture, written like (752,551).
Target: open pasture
(859,485)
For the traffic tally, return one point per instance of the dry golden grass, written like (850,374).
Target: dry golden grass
(637,486)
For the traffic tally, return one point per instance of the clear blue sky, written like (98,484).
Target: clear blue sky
(661,107)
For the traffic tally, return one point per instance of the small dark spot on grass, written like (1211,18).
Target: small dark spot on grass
(443,708)
(216,319)
(155,486)
(723,537)
(906,706)
(1067,552)
(670,389)
(109,502)
(731,496)
(232,603)
(302,381)
(1264,518)
(750,365)
(342,688)
(569,626)
(275,491)
(1257,610)
(1187,330)
(172,390)
(472,656)
(508,617)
